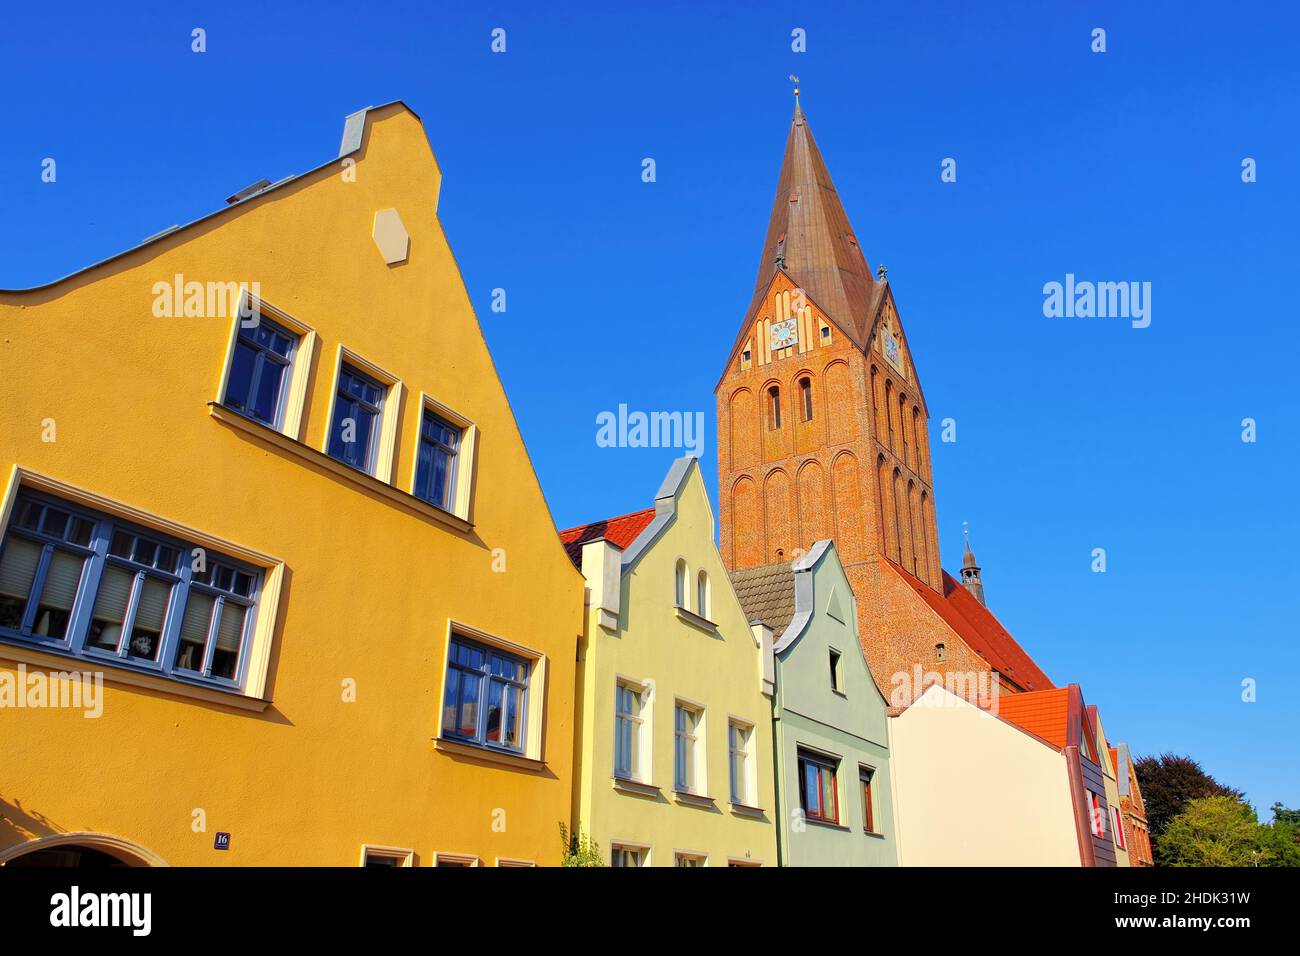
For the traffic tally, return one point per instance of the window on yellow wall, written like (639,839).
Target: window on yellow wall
(629,728)
(680,584)
(621,855)
(688,751)
(93,586)
(740,739)
(260,367)
(702,594)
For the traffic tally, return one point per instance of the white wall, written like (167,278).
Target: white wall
(972,790)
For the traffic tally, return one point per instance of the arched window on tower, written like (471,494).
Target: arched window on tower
(919,439)
(774,407)
(900,510)
(889,414)
(902,429)
(805,398)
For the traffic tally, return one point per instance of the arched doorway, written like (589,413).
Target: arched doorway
(80,850)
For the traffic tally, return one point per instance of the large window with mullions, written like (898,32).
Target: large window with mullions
(83,583)
(486,696)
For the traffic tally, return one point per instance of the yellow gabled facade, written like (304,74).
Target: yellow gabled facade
(669,672)
(307,718)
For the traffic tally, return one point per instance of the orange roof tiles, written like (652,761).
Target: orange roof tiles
(620,531)
(1044,713)
(976,625)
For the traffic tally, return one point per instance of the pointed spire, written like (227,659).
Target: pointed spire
(970,571)
(809,237)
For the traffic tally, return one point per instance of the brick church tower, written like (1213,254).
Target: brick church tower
(823,433)
(822,424)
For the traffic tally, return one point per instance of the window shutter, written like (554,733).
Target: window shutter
(18,569)
(231,627)
(62,580)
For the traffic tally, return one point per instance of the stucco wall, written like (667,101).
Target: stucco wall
(720,670)
(850,724)
(370,585)
(973,790)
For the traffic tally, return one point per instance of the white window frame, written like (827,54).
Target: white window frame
(389,413)
(640,769)
(639,850)
(693,739)
(295,399)
(463,498)
(750,782)
(405,856)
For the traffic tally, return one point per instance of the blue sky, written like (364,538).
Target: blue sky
(1072,434)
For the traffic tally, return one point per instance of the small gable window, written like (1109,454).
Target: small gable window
(702,595)
(680,595)
(837,671)
(259,371)
(358,411)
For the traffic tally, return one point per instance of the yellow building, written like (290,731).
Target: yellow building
(674,761)
(266,508)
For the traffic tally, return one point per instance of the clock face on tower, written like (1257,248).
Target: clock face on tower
(891,349)
(784,334)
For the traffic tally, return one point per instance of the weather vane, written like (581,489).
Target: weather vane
(795,80)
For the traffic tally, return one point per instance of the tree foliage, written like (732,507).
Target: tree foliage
(1214,831)
(1169,782)
(1223,831)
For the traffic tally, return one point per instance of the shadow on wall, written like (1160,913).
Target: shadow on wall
(19,825)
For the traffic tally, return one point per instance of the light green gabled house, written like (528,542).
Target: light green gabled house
(830,725)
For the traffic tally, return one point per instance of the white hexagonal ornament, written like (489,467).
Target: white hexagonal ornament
(391,236)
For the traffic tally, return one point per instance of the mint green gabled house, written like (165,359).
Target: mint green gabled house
(830,726)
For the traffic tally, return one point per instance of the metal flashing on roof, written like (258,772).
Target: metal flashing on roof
(247,191)
(160,233)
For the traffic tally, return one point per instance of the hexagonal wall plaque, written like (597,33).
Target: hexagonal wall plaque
(391,236)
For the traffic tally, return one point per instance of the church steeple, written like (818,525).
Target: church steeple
(970,571)
(810,240)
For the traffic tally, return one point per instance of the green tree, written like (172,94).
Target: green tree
(1214,831)
(1282,837)
(1282,815)
(579,849)
(1168,782)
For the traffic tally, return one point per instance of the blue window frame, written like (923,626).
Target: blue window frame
(358,410)
(82,583)
(259,371)
(486,697)
(435,473)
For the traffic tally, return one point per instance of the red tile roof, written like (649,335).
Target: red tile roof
(982,632)
(620,531)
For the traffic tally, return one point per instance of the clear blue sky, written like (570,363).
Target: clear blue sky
(1072,434)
